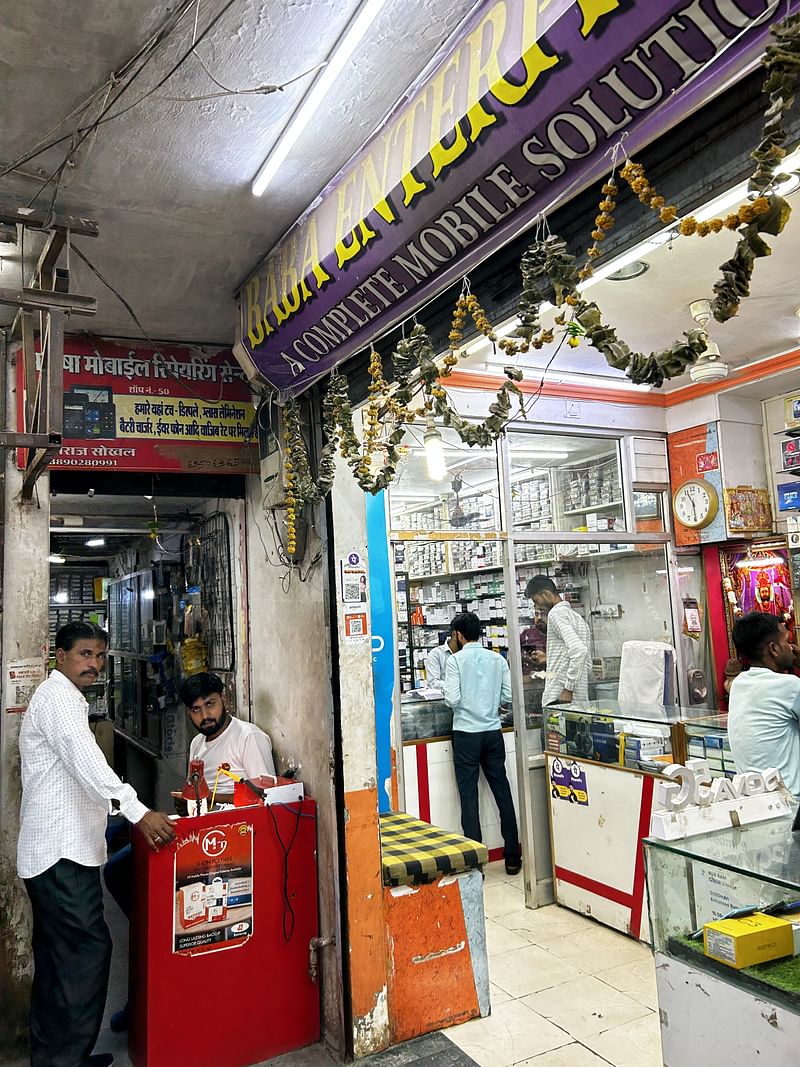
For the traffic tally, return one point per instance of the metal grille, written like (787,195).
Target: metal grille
(207,564)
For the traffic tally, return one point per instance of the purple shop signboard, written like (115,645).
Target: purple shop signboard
(517,116)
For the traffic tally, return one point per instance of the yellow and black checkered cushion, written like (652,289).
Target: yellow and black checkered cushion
(415,853)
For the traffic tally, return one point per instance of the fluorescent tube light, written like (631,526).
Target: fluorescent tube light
(337,60)
(56,559)
(95,542)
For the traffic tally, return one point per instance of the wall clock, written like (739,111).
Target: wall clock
(695,503)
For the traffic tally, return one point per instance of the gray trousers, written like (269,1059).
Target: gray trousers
(72,958)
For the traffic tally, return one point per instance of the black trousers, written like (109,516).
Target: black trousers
(72,958)
(471,753)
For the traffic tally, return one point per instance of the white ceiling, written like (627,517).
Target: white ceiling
(652,311)
(169,183)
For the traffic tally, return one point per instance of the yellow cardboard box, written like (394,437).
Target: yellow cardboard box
(744,942)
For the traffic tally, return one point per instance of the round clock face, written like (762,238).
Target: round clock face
(695,503)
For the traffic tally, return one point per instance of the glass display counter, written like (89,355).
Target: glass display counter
(603,760)
(711,1012)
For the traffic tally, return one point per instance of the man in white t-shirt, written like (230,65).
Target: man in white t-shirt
(244,748)
(764,702)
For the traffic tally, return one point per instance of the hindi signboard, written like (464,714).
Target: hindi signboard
(175,409)
(518,116)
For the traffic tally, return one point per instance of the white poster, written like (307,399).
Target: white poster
(22,678)
(354,579)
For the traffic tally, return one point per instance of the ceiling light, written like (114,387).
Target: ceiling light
(148,594)
(789,186)
(147,496)
(61,597)
(56,559)
(629,271)
(434,452)
(633,255)
(337,60)
(95,542)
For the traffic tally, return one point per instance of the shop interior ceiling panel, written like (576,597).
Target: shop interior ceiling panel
(169,183)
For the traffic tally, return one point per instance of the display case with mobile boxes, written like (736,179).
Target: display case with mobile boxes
(603,761)
(730,992)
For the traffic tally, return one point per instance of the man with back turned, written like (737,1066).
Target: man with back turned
(476,682)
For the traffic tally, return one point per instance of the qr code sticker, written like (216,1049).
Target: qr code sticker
(351,589)
(22,695)
(357,627)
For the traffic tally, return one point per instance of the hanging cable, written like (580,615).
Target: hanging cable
(85,131)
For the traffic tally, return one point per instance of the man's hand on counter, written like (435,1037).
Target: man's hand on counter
(157,829)
(566,696)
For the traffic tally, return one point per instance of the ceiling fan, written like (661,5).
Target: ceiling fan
(458,517)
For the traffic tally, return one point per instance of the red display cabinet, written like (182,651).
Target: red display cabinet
(221,930)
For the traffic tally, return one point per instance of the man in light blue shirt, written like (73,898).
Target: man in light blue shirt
(764,703)
(476,683)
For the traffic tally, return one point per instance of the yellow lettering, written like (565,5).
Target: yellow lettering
(484,71)
(290,303)
(255,326)
(412,186)
(442,116)
(346,251)
(534,59)
(271,292)
(311,264)
(374,188)
(593,11)
(345,222)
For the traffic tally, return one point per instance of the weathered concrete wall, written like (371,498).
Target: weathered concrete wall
(26,590)
(368,961)
(291,698)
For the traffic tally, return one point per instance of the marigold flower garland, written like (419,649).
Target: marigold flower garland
(415,363)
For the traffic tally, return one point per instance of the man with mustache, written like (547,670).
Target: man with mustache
(68,791)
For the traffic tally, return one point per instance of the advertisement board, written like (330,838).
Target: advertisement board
(176,409)
(516,116)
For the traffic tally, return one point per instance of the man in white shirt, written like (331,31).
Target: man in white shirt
(436,660)
(68,791)
(569,645)
(242,747)
(764,702)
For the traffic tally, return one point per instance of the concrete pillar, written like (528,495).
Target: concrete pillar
(292,699)
(26,589)
(368,954)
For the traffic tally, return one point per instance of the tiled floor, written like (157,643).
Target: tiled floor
(566,992)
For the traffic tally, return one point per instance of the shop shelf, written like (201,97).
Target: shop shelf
(454,574)
(594,507)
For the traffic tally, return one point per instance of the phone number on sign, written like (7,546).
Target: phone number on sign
(65,462)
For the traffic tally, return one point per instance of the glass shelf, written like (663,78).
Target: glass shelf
(644,713)
(768,851)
